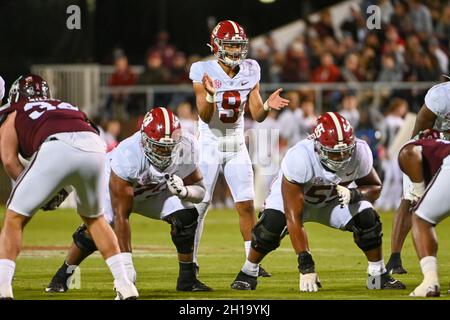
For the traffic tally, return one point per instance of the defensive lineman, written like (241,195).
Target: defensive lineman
(434,114)
(426,162)
(64,150)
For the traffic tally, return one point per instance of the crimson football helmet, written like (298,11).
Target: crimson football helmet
(334,140)
(160,134)
(225,36)
(29,86)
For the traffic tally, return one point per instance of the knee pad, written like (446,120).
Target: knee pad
(83,240)
(367,229)
(268,232)
(183,225)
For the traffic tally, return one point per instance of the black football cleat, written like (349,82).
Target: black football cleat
(56,287)
(263,273)
(244,282)
(389,283)
(60,281)
(394,265)
(193,286)
(58,284)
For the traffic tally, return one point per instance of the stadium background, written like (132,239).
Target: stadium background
(320,52)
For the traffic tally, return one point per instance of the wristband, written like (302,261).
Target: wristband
(305,263)
(355,195)
(266,106)
(210,98)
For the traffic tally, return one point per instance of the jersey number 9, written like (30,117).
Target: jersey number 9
(231,102)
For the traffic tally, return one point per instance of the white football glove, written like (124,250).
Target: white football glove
(416,191)
(344,195)
(176,186)
(2,88)
(309,282)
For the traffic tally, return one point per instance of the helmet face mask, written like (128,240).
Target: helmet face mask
(160,136)
(229,43)
(160,154)
(232,52)
(335,159)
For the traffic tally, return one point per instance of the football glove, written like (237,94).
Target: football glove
(176,186)
(344,195)
(56,201)
(416,192)
(348,196)
(309,282)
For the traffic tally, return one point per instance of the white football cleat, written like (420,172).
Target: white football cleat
(426,290)
(125,290)
(6,292)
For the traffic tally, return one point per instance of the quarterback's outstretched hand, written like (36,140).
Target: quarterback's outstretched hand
(176,186)
(208,84)
(309,282)
(276,102)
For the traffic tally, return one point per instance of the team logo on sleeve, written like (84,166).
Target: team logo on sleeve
(217,83)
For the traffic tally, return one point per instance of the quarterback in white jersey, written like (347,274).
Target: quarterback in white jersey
(327,178)
(223,88)
(434,114)
(152,173)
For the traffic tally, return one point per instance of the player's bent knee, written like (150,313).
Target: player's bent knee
(367,229)
(183,225)
(268,231)
(83,240)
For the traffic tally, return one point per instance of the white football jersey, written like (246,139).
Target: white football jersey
(129,163)
(231,97)
(437,100)
(301,164)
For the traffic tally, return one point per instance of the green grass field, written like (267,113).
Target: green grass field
(339,263)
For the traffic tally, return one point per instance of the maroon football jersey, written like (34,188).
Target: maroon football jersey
(434,152)
(37,119)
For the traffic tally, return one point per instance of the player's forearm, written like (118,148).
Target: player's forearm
(259,114)
(13,168)
(256,106)
(123,233)
(370,193)
(195,192)
(205,110)
(422,125)
(425,120)
(298,236)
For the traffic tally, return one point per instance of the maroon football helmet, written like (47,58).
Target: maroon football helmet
(160,134)
(29,87)
(334,140)
(226,35)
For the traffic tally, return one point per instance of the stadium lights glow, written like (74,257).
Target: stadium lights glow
(267,1)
